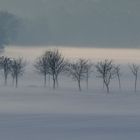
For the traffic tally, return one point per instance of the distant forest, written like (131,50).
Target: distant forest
(94,23)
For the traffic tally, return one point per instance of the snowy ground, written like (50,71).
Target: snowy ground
(39,114)
(32,112)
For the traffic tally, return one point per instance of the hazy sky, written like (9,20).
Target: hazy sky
(78,22)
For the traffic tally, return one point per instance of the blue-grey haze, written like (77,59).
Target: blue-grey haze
(105,23)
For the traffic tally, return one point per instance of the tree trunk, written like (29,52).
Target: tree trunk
(87,80)
(5,81)
(79,85)
(45,80)
(54,82)
(135,83)
(103,84)
(16,81)
(49,80)
(119,82)
(107,87)
(13,80)
(57,83)
(87,83)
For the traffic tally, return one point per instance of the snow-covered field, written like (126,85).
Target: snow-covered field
(39,114)
(32,112)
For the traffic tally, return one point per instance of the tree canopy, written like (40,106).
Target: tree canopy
(9,25)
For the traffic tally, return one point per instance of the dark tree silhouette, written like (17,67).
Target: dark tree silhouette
(9,25)
(135,69)
(17,69)
(42,66)
(105,71)
(88,68)
(118,74)
(56,65)
(78,71)
(5,65)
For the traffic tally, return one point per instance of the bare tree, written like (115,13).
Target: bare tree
(106,71)
(56,65)
(41,66)
(88,68)
(118,74)
(78,71)
(135,69)
(5,64)
(17,69)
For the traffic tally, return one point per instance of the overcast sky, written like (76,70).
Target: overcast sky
(113,23)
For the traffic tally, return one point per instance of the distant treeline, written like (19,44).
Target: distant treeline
(52,63)
(9,27)
(81,29)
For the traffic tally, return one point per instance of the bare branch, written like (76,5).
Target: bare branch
(135,69)
(5,65)
(17,68)
(105,71)
(78,70)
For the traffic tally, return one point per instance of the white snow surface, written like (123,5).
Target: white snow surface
(32,112)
